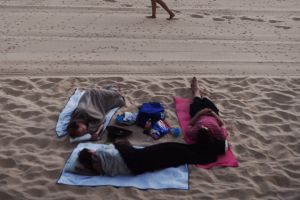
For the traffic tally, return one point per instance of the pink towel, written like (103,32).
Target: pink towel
(183,114)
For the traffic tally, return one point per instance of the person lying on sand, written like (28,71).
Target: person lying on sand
(124,159)
(204,114)
(163,5)
(94,104)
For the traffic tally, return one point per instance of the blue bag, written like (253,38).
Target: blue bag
(150,110)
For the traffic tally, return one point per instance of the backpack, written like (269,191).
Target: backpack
(150,110)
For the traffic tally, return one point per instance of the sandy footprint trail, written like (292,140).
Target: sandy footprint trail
(112,37)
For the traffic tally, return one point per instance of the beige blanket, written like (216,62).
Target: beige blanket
(94,105)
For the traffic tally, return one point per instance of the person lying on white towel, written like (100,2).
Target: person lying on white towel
(122,158)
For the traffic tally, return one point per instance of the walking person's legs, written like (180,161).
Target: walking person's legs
(163,5)
(153,7)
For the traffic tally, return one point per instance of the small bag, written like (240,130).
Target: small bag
(128,118)
(151,110)
(117,132)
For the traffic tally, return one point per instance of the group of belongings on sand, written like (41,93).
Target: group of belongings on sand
(151,117)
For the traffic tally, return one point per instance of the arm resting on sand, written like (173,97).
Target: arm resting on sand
(96,134)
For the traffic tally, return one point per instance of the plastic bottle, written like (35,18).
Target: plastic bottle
(148,124)
(155,134)
(175,132)
(161,127)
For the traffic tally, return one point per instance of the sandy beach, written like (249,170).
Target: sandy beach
(246,55)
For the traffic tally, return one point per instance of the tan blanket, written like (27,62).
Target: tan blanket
(94,105)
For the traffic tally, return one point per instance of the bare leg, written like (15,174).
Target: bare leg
(195,89)
(153,4)
(164,5)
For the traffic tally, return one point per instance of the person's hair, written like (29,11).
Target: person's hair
(73,127)
(85,158)
(206,138)
(204,135)
(204,131)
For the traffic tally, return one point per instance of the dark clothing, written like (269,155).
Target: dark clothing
(170,154)
(201,103)
(159,156)
(94,105)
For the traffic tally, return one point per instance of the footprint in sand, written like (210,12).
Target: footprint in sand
(218,19)
(283,27)
(111,1)
(6,196)
(251,19)
(34,130)
(274,21)
(196,16)
(228,17)
(296,18)
(139,94)
(7,162)
(127,5)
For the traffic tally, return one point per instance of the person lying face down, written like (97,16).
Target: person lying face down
(89,115)
(123,159)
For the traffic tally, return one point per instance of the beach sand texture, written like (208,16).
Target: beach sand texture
(244,53)
(109,36)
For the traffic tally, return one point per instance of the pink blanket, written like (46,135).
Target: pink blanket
(183,114)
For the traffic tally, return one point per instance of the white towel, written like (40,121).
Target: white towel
(170,178)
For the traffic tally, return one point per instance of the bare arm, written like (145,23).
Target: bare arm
(220,121)
(95,135)
(198,114)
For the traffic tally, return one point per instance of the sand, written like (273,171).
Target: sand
(244,53)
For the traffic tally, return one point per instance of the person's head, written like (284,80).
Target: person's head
(77,128)
(214,130)
(204,131)
(86,157)
(213,143)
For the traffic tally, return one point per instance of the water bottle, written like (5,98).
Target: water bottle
(155,134)
(148,124)
(175,132)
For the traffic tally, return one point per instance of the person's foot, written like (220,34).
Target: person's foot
(194,84)
(172,15)
(151,17)
(197,92)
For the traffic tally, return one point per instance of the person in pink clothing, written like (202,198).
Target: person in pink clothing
(204,117)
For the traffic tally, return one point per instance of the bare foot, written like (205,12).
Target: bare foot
(197,92)
(194,84)
(151,17)
(172,15)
